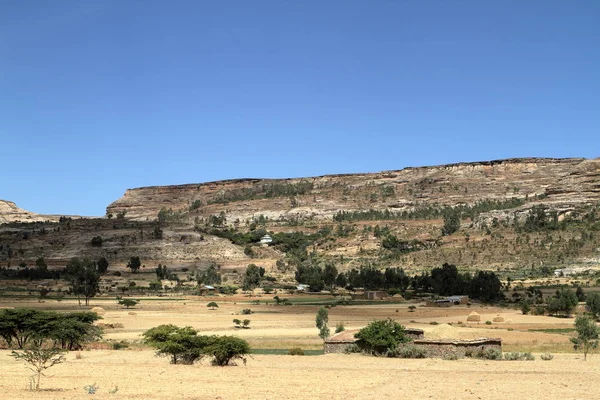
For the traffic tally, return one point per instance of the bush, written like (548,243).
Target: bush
(120,345)
(518,356)
(491,354)
(488,322)
(296,351)
(246,311)
(352,349)
(39,360)
(546,356)
(96,241)
(450,356)
(381,336)
(410,351)
(339,327)
(539,310)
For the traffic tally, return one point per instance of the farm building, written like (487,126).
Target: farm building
(434,348)
(448,301)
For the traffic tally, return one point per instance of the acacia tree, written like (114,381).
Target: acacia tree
(183,345)
(39,360)
(587,335)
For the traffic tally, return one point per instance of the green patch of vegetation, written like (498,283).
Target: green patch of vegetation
(285,352)
(564,331)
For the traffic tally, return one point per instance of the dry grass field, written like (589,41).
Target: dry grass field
(138,374)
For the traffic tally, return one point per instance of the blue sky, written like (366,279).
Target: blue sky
(100,96)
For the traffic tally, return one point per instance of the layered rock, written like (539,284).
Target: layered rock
(559,181)
(9,212)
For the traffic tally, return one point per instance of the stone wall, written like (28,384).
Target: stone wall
(457,348)
(433,348)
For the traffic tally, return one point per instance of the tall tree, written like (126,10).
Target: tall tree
(84,278)
(134,264)
(587,335)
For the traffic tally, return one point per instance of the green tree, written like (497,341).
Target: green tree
(564,302)
(587,335)
(39,360)
(451,222)
(226,349)
(155,285)
(84,278)
(212,305)
(102,265)
(593,304)
(128,302)
(182,345)
(134,264)
(252,277)
(210,276)
(525,306)
(381,336)
(321,321)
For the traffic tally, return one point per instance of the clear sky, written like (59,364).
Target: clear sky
(100,96)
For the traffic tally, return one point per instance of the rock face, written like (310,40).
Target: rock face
(9,212)
(561,182)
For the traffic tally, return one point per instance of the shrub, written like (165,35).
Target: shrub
(450,356)
(491,354)
(212,305)
(488,322)
(546,356)
(296,351)
(381,336)
(246,311)
(434,323)
(411,308)
(96,241)
(353,348)
(410,351)
(518,356)
(120,345)
(339,327)
(39,360)
(539,310)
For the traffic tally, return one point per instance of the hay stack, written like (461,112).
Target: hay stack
(498,318)
(442,331)
(473,317)
(98,310)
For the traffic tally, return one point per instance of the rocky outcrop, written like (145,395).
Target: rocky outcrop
(9,212)
(558,181)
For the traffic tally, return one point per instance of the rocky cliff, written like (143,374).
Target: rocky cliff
(558,181)
(9,212)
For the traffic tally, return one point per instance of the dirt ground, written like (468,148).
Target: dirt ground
(138,374)
(141,375)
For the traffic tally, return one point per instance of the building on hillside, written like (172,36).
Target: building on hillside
(370,295)
(448,301)
(265,240)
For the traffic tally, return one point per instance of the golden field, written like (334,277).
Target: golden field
(137,374)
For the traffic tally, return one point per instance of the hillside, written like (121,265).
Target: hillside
(515,215)
(9,212)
